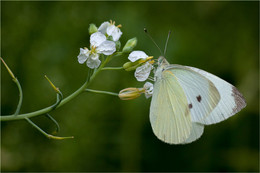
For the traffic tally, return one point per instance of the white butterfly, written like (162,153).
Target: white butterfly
(186,98)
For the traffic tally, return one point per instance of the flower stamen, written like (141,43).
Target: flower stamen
(151,62)
(93,49)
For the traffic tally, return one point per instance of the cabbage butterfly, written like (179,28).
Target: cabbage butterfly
(186,98)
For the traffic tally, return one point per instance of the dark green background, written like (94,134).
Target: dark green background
(43,38)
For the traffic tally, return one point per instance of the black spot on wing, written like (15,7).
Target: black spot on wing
(199,98)
(190,105)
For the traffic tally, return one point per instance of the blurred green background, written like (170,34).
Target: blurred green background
(43,38)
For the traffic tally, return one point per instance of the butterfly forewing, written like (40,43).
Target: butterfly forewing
(231,100)
(169,112)
(201,93)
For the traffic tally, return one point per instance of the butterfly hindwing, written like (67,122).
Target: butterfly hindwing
(169,112)
(196,132)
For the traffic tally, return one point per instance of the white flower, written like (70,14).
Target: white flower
(142,72)
(111,30)
(99,45)
(98,41)
(90,57)
(148,87)
(136,55)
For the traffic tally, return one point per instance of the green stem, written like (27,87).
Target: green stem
(67,99)
(102,92)
(46,134)
(54,121)
(18,85)
(47,109)
(20,96)
(59,99)
(112,68)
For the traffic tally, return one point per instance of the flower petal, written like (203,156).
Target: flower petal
(83,55)
(103,27)
(148,87)
(97,38)
(136,55)
(114,31)
(107,48)
(110,29)
(93,61)
(143,72)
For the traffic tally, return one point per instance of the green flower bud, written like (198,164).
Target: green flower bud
(92,28)
(130,44)
(118,45)
(130,93)
(129,66)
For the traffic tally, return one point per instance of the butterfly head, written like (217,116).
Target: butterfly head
(162,62)
(162,65)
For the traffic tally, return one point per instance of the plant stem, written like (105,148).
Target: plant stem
(67,99)
(112,68)
(18,85)
(20,96)
(102,92)
(54,121)
(46,134)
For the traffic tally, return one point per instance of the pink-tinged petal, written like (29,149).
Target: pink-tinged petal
(136,55)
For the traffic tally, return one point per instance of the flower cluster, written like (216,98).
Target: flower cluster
(100,43)
(104,41)
(142,64)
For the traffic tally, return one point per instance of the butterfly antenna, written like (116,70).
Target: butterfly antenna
(145,30)
(169,33)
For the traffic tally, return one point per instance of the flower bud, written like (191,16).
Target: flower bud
(9,70)
(130,93)
(118,45)
(129,66)
(92,28)
(130,44)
